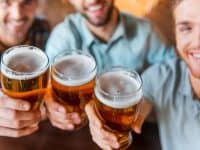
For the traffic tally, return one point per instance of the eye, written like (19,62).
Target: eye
(185,28)
(4,2)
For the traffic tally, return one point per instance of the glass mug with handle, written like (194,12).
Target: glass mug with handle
(72,81)
(118,93)
(25,74)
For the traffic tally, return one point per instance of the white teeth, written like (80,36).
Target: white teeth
(95,8)
(196,55)
(18,23)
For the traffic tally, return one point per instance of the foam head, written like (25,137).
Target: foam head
(118,89)
(74,70)
(24,62)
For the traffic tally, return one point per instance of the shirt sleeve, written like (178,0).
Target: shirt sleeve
(158,50)
(57,42)
(61,39)
(147,87)
(157,84)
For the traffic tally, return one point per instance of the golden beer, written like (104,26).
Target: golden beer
(119,119)
(24,74)
(118,93)
(72,80)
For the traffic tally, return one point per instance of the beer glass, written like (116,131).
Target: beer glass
(24,74)
(118,93)
(72,80)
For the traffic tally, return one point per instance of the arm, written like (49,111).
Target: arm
(158,51)
(109,140)
(60,39)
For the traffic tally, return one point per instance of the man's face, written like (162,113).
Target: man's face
(96,12)
(16,17)
(187,20)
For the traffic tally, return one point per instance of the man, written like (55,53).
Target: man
(173,89)
(113,38)
(19,26)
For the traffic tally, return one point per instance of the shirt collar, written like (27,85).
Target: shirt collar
(120,30)
(89,38)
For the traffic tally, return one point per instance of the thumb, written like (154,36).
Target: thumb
(137,124)
(92,115)
(144,108)
(43,111)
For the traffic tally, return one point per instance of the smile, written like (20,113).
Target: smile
(95,8)
(196,55)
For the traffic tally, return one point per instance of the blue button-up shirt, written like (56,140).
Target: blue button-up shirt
(168,87)
(133,45)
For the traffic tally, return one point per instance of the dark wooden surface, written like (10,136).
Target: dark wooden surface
(49,138)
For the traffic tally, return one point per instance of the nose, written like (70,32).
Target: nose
(196,38)
(16,11)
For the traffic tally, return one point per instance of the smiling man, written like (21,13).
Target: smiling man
(111,37)
(173,89)
(18,25)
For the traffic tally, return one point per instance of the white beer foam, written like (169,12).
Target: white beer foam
(122,84)
(76,70)
(24,57)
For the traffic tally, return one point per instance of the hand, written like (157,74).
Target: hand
(15,118)
(101,136)
(59,115)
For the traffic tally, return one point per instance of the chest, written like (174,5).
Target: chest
(121,53)
(181,119)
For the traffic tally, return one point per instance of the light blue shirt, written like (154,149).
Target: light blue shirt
(178,111)
(133,45)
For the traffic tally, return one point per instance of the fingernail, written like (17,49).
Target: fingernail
(116,145)
(74,116)
(61,109)
(34,125)
(114,139)
(137,130)
(70,126)
(25,106)
(35,128)
(77,120)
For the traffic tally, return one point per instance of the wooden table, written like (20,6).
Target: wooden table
(49,138)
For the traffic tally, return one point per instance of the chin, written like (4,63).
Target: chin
(98,23)
(16,41)
(195,72)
